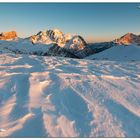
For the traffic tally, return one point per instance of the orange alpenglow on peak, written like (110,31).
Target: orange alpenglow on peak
(128,38)
(8,35)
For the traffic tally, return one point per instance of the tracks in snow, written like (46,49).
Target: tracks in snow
(50,96)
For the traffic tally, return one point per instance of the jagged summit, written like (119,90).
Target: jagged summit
(76,42)
(48,37)
(8,35)
(129,38)
(56,36)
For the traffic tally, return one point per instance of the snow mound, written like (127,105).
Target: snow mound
(119,53)
(57,97)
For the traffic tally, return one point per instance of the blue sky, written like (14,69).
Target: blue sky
(94,21)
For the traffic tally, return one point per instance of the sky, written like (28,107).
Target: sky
(96,22)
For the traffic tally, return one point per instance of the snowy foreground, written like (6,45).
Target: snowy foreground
(59,97)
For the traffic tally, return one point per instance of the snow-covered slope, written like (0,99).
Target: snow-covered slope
(23,46)
(119,53)
(57,97)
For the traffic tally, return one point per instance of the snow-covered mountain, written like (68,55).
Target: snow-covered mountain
(128,39)
(125,48)
(56,36)
(49,37)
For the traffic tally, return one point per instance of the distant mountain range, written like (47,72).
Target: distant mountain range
(56,43)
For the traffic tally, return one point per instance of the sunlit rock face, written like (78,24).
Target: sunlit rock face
(48,37)
(129,38)
(65,44)
(57,36)
(76,43)
(8,35)
(68,41)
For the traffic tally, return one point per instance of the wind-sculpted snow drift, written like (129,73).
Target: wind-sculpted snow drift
(57,97)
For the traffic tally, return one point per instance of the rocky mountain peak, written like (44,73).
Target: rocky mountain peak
(56,36)
(8,35)
(128,38)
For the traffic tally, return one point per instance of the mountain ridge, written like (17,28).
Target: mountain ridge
(56,43)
